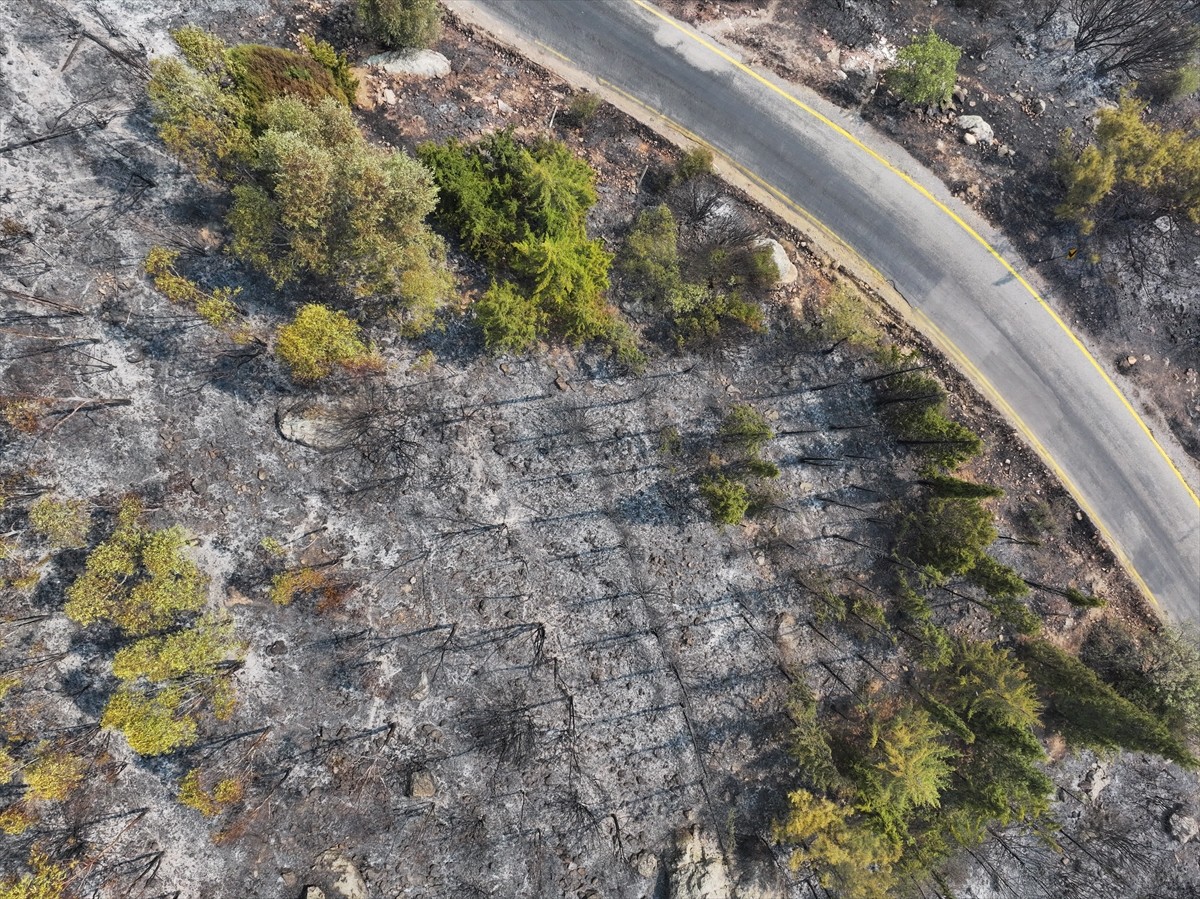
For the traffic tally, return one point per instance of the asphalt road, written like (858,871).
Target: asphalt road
(973,301)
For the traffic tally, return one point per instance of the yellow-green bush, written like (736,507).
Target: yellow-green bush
(63,523)
(320,339)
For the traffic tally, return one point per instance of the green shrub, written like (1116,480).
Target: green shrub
(995,579)
(1088,712)
(845,318)
(402,23)
(262,74)
(926,69)
(325,203)
(138,579)
(582,110)
(511,320)
(153,721)
(649,259)
(336,64)
(1133,159)
(64,524)
(197,651)
(693,164)
(320,339)
(522,211)
(697,312)
(728,499)
(746,428)
(949,536)
(1082,600)
(217,308)
(312,198)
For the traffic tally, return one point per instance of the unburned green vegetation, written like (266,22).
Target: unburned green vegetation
(142,583)
(522,211)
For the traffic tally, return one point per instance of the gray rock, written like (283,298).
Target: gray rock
(1182,827)
(788,272)
(700,871)
(421,785)
(414,63)
(309,425)
(350,883)
(1095,781)
(977,127)
(646,864)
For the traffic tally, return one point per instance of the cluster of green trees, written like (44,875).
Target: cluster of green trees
(1131,168)
(926,70)
(313,202)
(177,660)
(521,209)
(713,293)
(732,482)
(897,786)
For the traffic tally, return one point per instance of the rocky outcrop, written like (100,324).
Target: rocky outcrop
(700,870)
(788,272)
(1182,827)
(412,63)
(976,127)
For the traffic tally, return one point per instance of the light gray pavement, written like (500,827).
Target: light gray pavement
(894,214)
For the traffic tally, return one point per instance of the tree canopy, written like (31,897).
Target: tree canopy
(1138,167)
(926,69)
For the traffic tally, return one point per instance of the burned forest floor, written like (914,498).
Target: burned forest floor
(535,667)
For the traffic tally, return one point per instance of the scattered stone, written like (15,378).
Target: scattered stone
(562,384)
(422,690)
(1098,776)
(977,127)
(700,871)
(278,648)
(1039,106)
(350,883)
(503,108)
(421,785)
(646,864)
(388,96)
(783,265)
(311,426)
(313,892)
(415,63)
(960,94)
(970,138)
(1182,827)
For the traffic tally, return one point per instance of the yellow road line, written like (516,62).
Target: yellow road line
(926,325)
(917,186)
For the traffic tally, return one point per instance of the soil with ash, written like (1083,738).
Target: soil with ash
(536,661)
(1134,295)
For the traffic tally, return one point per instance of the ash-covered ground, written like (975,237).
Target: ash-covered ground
(540,670)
